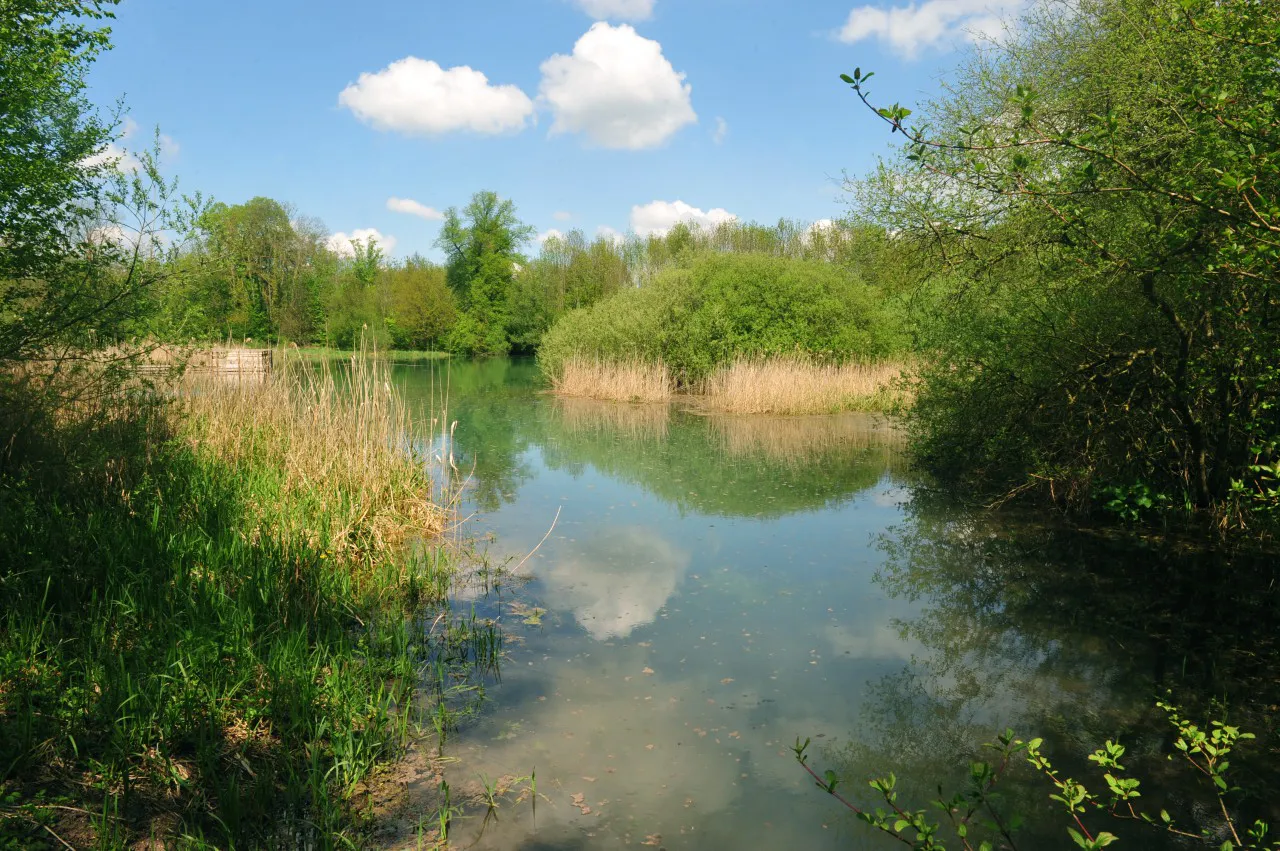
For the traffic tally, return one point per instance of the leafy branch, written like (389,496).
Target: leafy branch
(1206,752)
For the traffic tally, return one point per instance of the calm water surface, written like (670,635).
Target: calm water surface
(715,587)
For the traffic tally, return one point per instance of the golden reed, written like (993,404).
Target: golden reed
(632,380)
(797,386)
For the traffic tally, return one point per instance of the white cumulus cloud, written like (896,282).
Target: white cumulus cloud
(417,96)
(114,156)
(935,23)
(616,88)
(658,217)
(342,244)
(413,208)
(549,233)
(610,234)
(721,132)
(619,10)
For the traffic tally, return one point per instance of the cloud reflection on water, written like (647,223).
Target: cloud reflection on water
(617,580)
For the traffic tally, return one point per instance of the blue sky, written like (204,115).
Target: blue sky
(729,107)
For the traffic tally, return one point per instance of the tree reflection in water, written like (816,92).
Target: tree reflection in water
(1072,636)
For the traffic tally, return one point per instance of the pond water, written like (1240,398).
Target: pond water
(715,587)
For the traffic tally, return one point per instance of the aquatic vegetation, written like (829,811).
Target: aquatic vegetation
(627,380)
(721,307)
(796,385)
(788,384)
(338,446)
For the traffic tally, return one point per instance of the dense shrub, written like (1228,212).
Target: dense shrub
(724,306)
(1100,201)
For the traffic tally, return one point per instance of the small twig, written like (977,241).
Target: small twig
(540,543)
(64,842)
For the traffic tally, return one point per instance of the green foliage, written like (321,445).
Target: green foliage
(82,243)
(728,305)
(569,274)
(47,131)
(420,309)
(1100,203)
(257,271)
(483,243)
(979,817)
(170,651)
(255,265)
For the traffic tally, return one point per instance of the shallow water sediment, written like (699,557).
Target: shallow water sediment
(716,586)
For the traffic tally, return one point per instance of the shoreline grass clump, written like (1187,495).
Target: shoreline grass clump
(625,380)
(716,309)
(332,444)
(793,385)
(210,633)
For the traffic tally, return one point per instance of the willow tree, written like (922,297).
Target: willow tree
(1099,196)
(482,243)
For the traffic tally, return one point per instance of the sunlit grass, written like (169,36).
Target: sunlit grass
(341,449)
(786,385)
(210,631)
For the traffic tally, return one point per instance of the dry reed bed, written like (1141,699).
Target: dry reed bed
(341,448)
(797,386)
(631,380)
(788,385)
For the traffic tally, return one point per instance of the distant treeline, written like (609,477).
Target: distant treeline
(260,271)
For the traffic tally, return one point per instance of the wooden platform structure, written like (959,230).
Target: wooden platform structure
(235,361)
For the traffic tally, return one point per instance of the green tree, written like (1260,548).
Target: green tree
(1100,199)
(568,274)
(421,309)
(724,306)
(252,250)
(482,243)
(57,249)
(356,309)
(48,132)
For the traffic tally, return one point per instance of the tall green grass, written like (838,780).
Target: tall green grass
(210,629)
